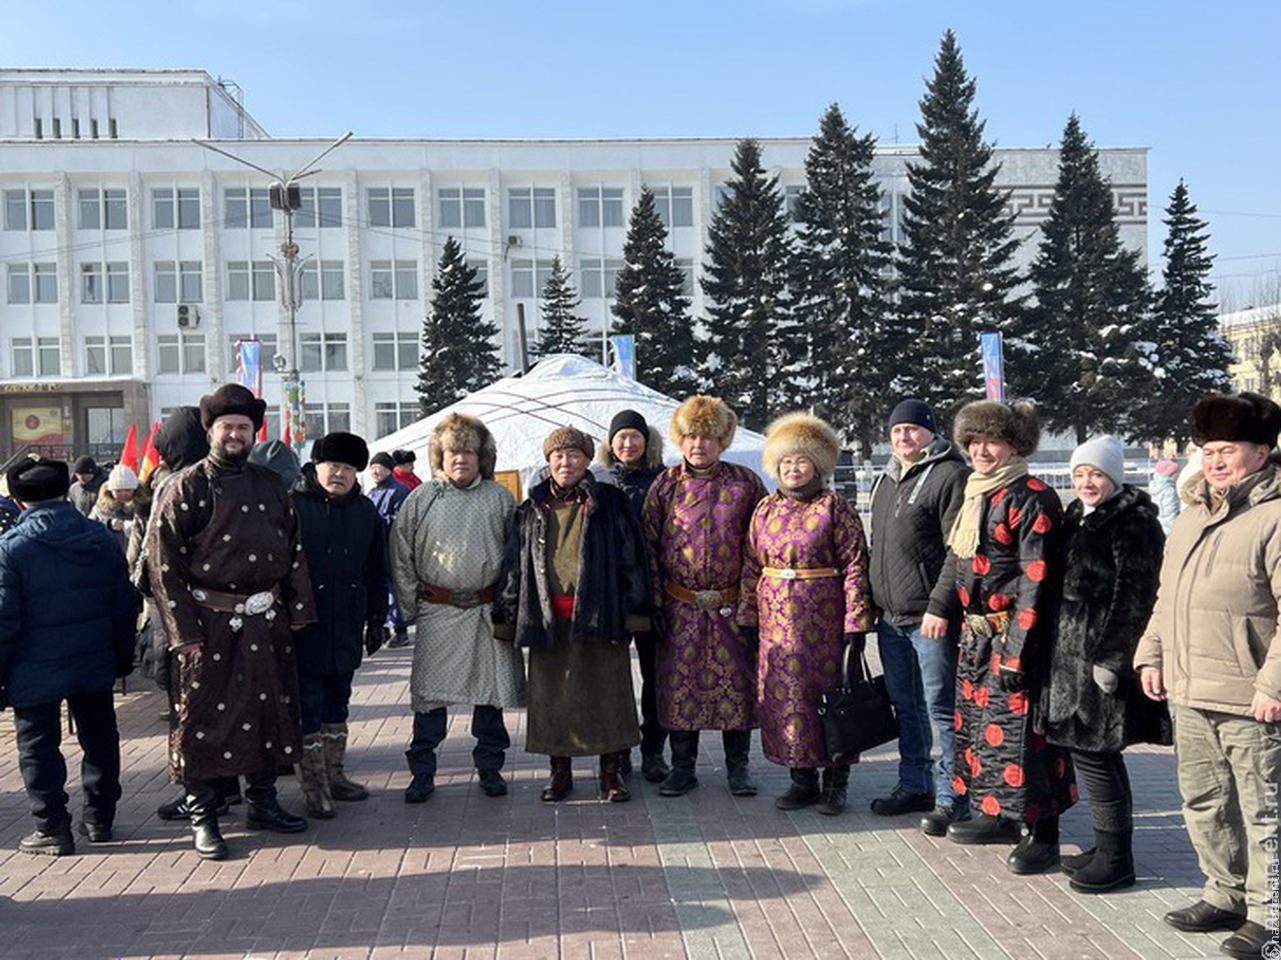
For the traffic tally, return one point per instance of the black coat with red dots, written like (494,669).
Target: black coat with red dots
(1003,765)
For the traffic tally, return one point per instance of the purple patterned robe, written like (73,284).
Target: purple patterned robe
(802,622)
(695,528)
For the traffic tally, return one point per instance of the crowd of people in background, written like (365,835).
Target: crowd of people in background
(1025,646)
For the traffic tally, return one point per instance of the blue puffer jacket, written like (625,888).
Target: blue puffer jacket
(67,611)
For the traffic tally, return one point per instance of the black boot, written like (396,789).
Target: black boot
(1038,851)
(984,828)
(561,782)
(835,783)
(264,811)
(1073,862)
(738,744)
(202,802)
(1112,867)
(803,792)
(684,755)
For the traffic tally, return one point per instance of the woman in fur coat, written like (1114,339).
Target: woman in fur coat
(1095,707)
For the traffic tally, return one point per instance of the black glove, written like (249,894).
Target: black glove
(1012,681)
(124,665)
(857,642)
(373,637)
(751,635)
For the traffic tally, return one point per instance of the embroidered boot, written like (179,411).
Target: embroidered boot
(340,787)
(312,779)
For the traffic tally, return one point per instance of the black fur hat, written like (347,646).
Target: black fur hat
(1246,417)
(232,399)
(340,447)
(33,479)
(1015,423)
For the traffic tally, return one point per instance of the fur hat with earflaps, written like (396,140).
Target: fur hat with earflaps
(1015,423)
(1245,417)
(800,434)
(459,431)
(705,416)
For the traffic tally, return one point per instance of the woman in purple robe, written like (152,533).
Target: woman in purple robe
(805,587)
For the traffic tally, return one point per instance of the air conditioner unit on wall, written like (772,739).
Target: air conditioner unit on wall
(513,240)
(188,315)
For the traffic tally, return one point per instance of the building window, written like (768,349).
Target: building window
(327,418)
(686,267)
(118,282)
(598,277)
(180,353)
(175,208)
(246,208)
(121,355)
(791,201)
(237,279)
(268,349)
(95,356)
(531,207)
(323,282)
(57,128)
(108,355)
(251,281)
(529,277)
(390,417)
(19,287)
(23,208)
(462,207)
(91,283)
(90,210)
(35,283)
(103,209)
(181,282)
(23,357)
(600,206)
(395,351)
(393,280)
(264,280)
(321,206)
(674,205)
(45,276)
(482,276)
(36,358)
(391,207)
(322,351)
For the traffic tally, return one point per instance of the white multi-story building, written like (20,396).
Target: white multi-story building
(135,257)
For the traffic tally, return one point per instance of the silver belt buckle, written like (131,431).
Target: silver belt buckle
(464,599)
(787,573)
(199,594)
(260,602)
(726,611)
(707,599)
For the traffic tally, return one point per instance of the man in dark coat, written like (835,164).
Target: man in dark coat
(67,614)
(387,495)
(913,505)
(89,480)
(346,548)
(225,559)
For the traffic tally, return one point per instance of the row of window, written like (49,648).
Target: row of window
(55,128)
(182,281)
(250,208)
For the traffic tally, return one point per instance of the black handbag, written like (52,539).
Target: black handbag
(857,715)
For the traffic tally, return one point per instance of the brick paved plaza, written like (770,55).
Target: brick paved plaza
(463,875)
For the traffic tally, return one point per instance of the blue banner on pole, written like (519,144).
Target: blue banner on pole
(249,365)
(624,347)
(993,365)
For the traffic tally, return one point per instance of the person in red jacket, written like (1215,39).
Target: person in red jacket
(404,468)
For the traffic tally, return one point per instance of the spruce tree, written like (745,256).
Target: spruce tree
(561,329)
(753,356)
(459,349)
(956,274)
(650,305)
(1181,343)
(840,283)
(1092,295)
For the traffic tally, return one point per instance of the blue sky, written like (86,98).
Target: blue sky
(1196,82)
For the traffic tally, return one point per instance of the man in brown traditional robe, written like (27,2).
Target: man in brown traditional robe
(230,580)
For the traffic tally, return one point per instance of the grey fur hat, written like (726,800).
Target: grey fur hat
(1015,423)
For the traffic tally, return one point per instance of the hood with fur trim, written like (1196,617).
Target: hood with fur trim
(805,435)
(461,431)
(705,416)
(1015,423)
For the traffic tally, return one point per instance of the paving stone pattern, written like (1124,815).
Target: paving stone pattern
(463,875)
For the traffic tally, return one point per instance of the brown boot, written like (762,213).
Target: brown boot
(562,781)
(612,787)
(313,779)
(340,788)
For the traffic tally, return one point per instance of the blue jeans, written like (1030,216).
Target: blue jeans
(920,675)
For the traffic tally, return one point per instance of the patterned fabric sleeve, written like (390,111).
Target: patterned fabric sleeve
(653,516)
(750,577)
(404,573)
(851,552)
(168,563)
(1031,522)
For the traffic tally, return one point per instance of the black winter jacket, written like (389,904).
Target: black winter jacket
(345,543)
(1112,562)
(611,598)
(912,514)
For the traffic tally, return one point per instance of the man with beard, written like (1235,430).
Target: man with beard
(227,569)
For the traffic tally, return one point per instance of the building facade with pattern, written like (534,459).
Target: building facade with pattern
(135,258)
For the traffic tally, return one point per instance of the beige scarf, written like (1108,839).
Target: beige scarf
(964,538)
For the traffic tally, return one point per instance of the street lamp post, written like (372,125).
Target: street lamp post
(286,196)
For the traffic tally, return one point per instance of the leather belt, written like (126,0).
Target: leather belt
(239,605)
(720,601)
(789,573)
(987,625)
(462,599)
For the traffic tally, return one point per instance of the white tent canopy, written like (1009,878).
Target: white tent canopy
(560,389)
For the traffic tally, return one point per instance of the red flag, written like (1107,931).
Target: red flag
(150,455)
(129,452)
(262,431)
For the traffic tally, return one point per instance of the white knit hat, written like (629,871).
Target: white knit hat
(1104,453)
(122,478)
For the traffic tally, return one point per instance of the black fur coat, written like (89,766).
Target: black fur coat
(1112,558)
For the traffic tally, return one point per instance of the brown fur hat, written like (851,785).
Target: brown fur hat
(459,431)
(1015,423)
(705,416)
(1246,417)
(805,435)
(570,437)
